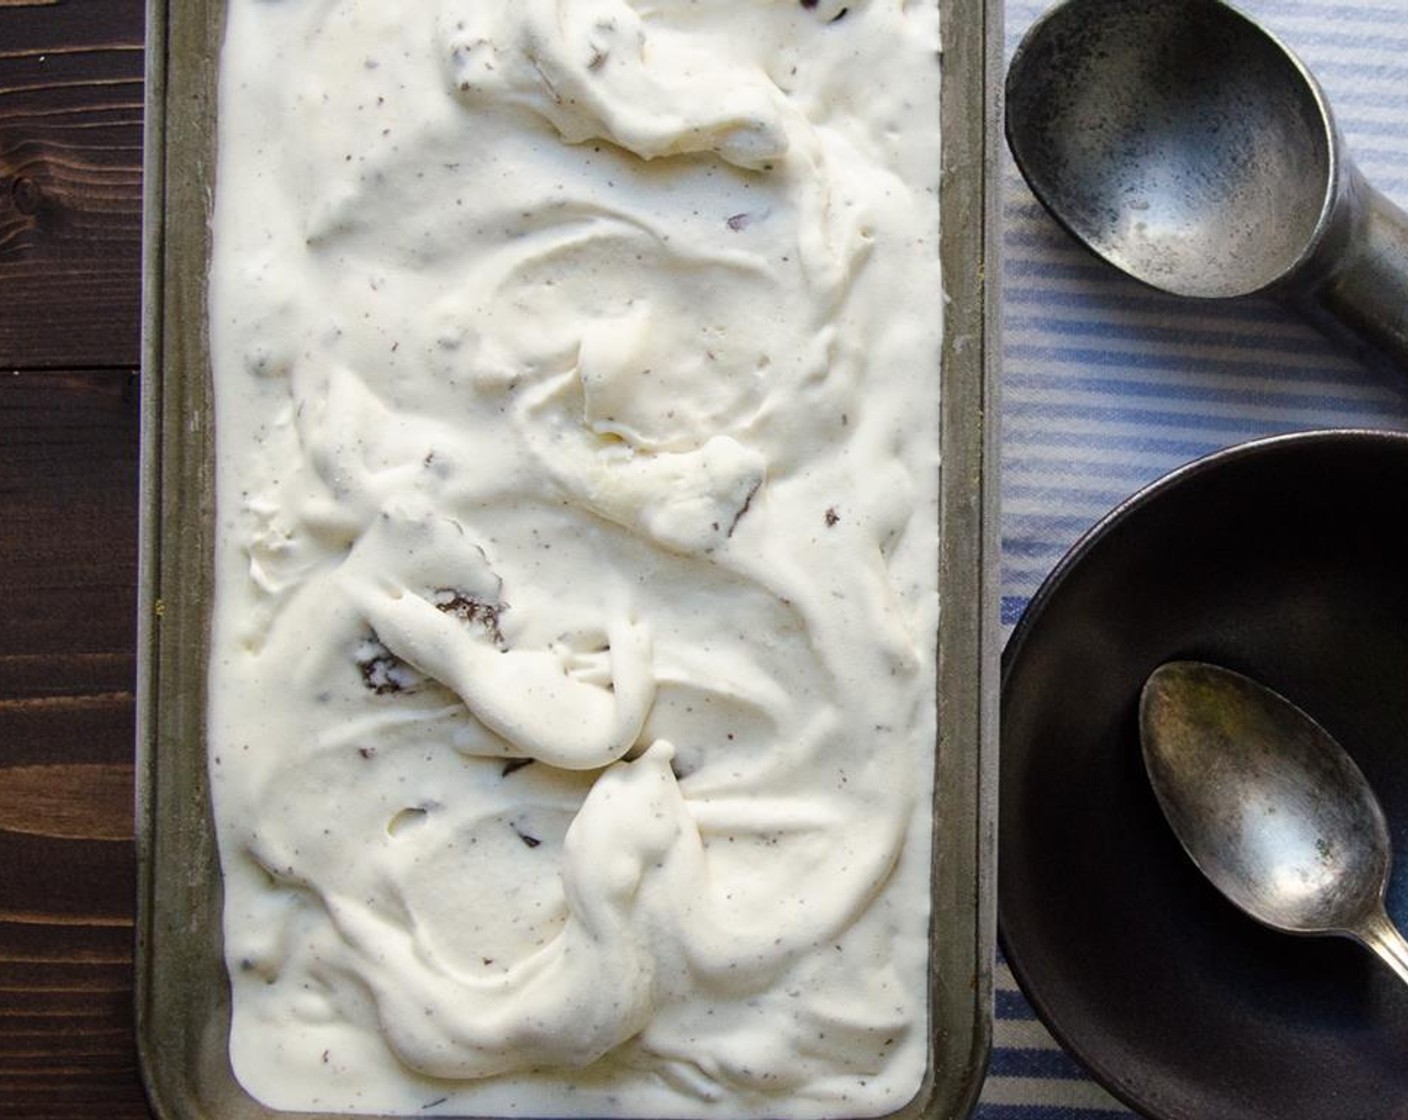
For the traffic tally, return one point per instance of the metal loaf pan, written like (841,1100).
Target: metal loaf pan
(182,1012)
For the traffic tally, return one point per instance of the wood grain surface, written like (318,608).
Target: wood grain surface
(70,249)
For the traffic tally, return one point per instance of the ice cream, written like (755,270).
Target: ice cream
(572,707)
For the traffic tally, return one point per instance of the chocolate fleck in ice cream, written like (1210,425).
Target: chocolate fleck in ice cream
(572,707)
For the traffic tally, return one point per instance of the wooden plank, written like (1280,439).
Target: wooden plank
(68,552)
(21,983)
(70,252)
(68,497)
(67,801)
(66,1017)
(115,1096)
(70,183)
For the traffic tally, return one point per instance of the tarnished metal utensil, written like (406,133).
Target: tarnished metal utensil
(1269,806)
(1185,145)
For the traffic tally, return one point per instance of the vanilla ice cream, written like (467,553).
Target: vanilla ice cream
(572,704)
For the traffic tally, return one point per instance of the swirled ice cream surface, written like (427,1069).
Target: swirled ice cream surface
(572,707)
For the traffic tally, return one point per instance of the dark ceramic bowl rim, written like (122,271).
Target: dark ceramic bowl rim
(1174,478)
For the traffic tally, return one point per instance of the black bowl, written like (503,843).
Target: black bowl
(1286,560)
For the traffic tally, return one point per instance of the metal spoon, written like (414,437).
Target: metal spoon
(1269,806)
(1189,148)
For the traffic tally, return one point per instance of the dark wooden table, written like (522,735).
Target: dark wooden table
(70,277)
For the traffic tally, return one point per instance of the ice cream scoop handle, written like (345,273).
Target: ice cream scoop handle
(1355,286)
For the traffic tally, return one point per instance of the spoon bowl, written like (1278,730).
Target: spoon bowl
(1268,805)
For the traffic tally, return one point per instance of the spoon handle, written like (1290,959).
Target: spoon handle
(1382,936)
(1355,285)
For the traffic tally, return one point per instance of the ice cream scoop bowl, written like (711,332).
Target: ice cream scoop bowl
(1269,806)
(1185,145)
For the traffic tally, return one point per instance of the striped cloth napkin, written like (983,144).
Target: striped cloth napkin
(1108,385)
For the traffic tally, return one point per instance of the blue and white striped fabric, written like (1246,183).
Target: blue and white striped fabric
(1108,385)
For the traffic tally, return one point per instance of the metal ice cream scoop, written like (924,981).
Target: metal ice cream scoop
(1269,806)
(1188,147)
